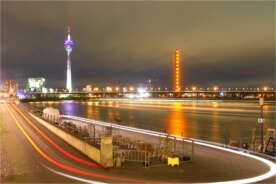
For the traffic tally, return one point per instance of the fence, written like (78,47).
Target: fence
(151,154)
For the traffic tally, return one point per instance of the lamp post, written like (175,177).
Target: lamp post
(261,121)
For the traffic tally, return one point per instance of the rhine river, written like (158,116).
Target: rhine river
(211,120)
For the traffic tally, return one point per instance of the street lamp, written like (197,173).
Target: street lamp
(261,121)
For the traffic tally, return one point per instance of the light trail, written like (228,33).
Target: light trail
(132,129)
(154,106)
(269,174)
(54,144)
(66,167)
(271,165)
(73,177)
(194,110)
(204,108)
(190,108)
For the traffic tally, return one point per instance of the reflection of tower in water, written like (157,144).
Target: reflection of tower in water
(177,121)
(177,127)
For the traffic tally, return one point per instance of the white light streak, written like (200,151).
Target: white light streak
(271,165)
(73,177)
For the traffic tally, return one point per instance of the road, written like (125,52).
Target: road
(32,154)
(20,161)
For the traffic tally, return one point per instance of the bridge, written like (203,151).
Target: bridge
(187,94)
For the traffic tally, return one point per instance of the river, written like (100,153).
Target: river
(217,121)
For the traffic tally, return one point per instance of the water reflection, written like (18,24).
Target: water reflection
(215,128)
(93,111)
(177,121)
(89,111)
(206,120)
(214,104)
(69,108)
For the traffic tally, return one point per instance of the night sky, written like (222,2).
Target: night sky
(223,43)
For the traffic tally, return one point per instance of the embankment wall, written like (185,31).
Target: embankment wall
(92,152)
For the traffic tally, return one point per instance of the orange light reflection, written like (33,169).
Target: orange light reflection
(177,121)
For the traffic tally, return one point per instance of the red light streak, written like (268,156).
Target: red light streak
(66,167)
(54,144)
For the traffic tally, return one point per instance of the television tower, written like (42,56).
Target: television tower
(68,44)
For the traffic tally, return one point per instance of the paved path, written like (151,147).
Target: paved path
(209,165)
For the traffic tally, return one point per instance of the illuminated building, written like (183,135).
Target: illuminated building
(88,88)
(68,44)
(36,84)
(11,86)
(177,86)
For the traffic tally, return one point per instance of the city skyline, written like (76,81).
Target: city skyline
(222,43)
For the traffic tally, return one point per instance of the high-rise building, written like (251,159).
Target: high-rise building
(11,86)
(177,77)
(68,44)
(36,84)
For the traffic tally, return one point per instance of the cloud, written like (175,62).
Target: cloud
(227,43)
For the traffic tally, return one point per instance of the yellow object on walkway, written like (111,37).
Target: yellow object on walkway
(173,161)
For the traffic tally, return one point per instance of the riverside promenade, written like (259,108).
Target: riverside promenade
(209,166)
(209,163)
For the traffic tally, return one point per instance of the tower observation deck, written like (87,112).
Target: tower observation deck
(68,44)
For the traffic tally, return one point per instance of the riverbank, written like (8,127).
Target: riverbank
(209,164)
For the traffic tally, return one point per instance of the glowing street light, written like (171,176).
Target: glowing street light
(108,89)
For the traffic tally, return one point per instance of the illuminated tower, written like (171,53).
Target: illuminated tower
(177,70)
(68,44)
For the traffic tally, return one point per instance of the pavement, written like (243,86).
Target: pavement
(207,165)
